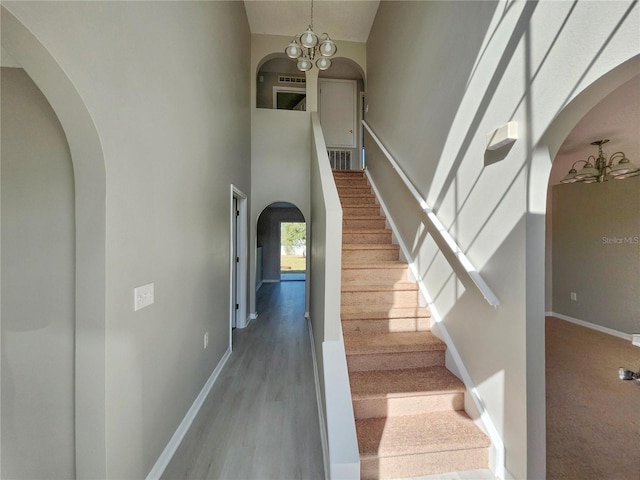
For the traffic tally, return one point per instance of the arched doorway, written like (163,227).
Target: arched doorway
(272,248)
(89,177)
(592,241)
(38,290)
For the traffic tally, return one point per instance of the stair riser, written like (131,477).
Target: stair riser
(398,298)
(369,223)
(411,405)
(365,312)
(373,276)
(360,211)
(394,361)
(352,190)
(355,327)
(423,464)
(363,238)
(370,255)
(351,182)
(360,200)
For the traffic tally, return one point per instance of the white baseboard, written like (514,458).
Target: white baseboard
(497,453)
(323,430)
(251,318)
(592,326)
(167,454)
(271,281)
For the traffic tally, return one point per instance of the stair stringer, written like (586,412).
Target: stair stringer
(475,408)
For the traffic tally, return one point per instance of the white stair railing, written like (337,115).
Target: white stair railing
(463,261)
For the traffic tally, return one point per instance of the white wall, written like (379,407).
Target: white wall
(432,105)
(596,253)
(167,87)
(38,283)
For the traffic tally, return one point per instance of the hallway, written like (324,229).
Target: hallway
(260,420)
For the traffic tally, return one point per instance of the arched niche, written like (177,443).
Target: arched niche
(90,194)
(279,84)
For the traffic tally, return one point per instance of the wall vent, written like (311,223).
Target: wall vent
(292,79)
(339,159)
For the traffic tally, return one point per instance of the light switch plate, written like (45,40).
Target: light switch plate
(142,296)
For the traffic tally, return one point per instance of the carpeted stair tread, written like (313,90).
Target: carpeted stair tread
(402,383)
(369,246)
(389,287)
(395,264)
(356,312)
(361,231)
(415,434)
(392,342)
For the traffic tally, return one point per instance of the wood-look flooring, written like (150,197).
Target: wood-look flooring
(260,420)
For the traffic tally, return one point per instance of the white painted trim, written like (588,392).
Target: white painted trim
(464,262)
(592,326)
(251,317)
(259,285)
(344,457)
(316,378)
(241,242)
(497,454)
(167,454)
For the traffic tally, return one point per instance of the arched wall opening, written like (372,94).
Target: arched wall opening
(269,241)
(538,182)
(90,217)
(279,84)
(592,242)
(38,285)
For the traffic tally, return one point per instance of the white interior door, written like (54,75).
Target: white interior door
(338,106)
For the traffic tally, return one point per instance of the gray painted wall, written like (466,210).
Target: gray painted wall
(504,68)
(167,85)
(596,253)
(268,238)
(38,285)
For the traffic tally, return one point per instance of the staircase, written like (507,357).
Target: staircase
(409,408)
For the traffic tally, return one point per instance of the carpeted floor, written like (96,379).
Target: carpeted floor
(593,418)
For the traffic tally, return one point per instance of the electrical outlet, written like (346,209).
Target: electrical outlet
(206,339)
(142,296)
(574,297)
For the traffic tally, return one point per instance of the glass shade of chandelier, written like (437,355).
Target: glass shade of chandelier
(310,47)
(617,167)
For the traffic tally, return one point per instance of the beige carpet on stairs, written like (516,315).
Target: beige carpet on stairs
(409,408)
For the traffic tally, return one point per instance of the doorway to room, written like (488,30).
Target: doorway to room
(274,255)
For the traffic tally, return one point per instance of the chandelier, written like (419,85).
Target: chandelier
(600,169)
(310,45)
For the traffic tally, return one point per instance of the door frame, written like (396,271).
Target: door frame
(237,243)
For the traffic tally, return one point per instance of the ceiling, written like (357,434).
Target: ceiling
(616,117)
(342,20)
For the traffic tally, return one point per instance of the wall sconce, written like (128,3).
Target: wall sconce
(600,169)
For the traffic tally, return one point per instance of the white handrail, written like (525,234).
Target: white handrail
(453,246)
